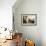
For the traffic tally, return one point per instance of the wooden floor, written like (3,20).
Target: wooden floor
(9,43)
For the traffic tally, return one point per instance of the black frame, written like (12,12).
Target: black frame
(24,24)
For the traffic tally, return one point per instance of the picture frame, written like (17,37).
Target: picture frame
(29,19)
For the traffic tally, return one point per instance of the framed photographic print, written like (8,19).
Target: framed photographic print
(29,19)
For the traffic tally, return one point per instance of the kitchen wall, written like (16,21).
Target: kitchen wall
(28,7)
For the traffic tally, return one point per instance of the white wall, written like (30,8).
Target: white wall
(43,22)
(6,13)
(28,7)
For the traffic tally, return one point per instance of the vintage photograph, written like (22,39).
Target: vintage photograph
(29,19)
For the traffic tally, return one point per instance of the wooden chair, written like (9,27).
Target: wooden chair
(18,39)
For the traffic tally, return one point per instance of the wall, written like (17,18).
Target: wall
(43,22)
(6,13)
(28,7)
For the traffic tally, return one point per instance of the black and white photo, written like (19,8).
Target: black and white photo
(29,19)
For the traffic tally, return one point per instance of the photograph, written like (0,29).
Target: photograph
(29,19)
